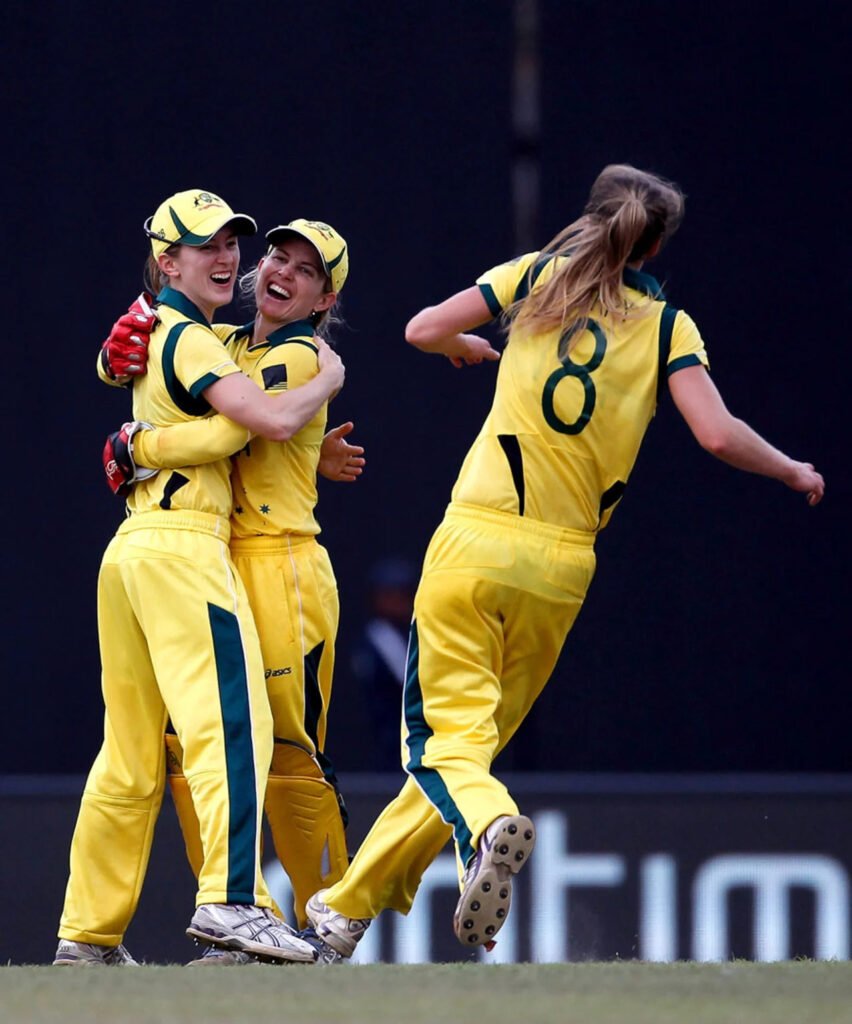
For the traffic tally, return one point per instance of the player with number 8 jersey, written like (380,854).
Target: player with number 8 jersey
(560,448)
(591,340)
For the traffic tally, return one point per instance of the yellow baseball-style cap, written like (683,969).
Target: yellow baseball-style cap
(193,218)
(331,247)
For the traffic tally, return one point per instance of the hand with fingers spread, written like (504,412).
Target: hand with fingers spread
(340,460)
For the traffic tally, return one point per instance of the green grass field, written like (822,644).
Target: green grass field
(592,993)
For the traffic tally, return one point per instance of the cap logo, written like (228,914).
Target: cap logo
(205,200)
(325,230)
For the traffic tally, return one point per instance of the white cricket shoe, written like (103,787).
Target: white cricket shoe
(504,848)
(249,929)
(87,954)
(336,930)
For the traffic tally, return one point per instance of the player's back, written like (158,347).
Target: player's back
(566,423)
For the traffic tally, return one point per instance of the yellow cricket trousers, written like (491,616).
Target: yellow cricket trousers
(293,595)
(177,641)
(496,600)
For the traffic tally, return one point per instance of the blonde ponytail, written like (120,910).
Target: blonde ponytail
(628,211)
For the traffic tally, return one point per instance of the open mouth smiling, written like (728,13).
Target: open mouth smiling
(277,292)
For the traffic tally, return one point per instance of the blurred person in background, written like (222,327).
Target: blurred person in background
(378,659)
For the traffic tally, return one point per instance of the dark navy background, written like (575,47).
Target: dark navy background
(715,633)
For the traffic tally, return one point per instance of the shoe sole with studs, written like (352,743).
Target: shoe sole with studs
(256,950)
(484,905)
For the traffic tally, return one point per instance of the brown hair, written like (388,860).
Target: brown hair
(627,212)
(153,279)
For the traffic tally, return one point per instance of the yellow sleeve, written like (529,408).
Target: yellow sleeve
(197,359)
(687,346)
(501,286)
(189,444)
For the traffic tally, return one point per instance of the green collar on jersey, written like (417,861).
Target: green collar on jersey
(643,283)
(631,278)
(177,300)
(298,330)
(239,333)
(302,330)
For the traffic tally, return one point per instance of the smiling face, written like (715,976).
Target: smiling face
(206,274)
(291,284)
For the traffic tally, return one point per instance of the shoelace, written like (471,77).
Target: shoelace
(263,924)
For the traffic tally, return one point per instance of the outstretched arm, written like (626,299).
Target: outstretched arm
(732,440)
(443,329)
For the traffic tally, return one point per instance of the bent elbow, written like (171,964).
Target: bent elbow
(418,333)
(281,432)
(414,336)
(717,443)
(716,434)
(275,428)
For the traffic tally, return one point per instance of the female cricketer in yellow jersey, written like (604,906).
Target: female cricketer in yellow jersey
(591,339)
(286,572)
(177,638)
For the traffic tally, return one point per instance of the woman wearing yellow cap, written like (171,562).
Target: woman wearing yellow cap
(178,641)
(287,573)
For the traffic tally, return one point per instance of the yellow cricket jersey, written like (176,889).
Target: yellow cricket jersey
(184,358)
(275,483)
(564,429)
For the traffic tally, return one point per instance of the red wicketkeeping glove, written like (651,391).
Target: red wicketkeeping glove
(125,352)
(119,465)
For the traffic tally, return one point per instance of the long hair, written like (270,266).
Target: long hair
(627,212)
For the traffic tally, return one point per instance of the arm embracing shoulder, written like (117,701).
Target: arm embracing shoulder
(193,443)
(277,417)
